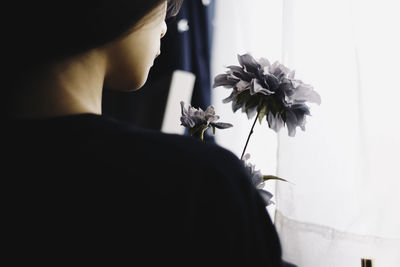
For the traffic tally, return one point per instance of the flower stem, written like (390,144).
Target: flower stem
(251,132)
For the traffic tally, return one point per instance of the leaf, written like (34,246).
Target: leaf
(252,102)
(262,113)
(272,177)
(242,98)
(202,133)
(198,131)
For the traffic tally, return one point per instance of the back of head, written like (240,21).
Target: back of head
(39,32)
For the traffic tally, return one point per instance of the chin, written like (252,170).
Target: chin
(133,87)
(139,86)
(128,85)
(141,81)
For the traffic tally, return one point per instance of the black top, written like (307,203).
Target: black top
(87,189)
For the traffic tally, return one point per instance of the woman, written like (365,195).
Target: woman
(84,188)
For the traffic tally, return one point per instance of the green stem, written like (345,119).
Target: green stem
(251,132)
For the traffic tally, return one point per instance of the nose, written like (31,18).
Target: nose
(163,29)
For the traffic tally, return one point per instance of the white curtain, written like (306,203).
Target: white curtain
(342,203)
(246,26)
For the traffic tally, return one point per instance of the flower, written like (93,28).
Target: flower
(258,87)
(198,121)
(258,180)
(268,90)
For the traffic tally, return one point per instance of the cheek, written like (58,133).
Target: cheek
(131,62)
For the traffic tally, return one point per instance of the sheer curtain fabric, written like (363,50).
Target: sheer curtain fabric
(342,201)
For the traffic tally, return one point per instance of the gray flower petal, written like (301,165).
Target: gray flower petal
(275,122)
(246,157)
(238,73)
(221,125)
(301,110)
(257,178)
(305,92)
(256,87)
(249,63)
(264,63)
(209,114)
(266,196)
(291,122)
(279,70)
(251,112)
(243,86)
(186,119)
(183,109)
(261,185)
(224,80)
(230,98)
(291,74)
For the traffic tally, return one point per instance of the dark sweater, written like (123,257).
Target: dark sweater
(89,190)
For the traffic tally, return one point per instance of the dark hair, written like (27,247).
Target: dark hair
(43,31)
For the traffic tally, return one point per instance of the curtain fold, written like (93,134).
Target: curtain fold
(341,204)
(309,244)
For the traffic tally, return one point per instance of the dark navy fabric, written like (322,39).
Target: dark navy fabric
(195,47)
(92,190)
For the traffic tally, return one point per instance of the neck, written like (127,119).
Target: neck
(73,86)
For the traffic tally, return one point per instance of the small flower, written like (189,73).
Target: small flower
(258,180)
(198,121)
(269,90)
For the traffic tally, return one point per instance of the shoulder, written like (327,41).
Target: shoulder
(180,193)
(177,163)
(179,152)
(213,196)
(108,142)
